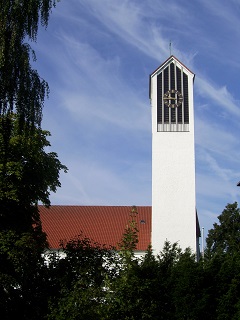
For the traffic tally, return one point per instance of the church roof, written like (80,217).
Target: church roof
(103,224)
(169,60)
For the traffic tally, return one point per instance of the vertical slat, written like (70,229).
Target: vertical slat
(182,90)
(179,88)
(173,86)
(186,99)
(166,88)
(159,98)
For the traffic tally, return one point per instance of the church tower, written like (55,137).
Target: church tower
(174,215)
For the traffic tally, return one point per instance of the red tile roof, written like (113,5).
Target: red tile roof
(103,224)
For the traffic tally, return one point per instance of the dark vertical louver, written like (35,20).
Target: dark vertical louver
(159,98)
(166,88)
(172,76)
(172,81)
(179,88)
(186,99)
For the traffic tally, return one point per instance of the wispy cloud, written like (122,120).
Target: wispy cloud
(214,138)
(91,181)
(220,96)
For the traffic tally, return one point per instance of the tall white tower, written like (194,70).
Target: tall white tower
(173,161)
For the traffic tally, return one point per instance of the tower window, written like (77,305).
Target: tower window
(172,99)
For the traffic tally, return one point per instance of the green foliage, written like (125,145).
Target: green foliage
(21,17)
(225,236)
(129,239)
(228,284)
(82,278)
(137,292)
(24,282)
(189,296)
(222,261)
(27,174)
(21,88)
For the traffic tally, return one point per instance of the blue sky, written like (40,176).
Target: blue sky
(97,57)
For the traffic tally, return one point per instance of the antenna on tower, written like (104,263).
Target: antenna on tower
(170,48)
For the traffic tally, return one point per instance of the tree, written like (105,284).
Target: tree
(189,286)
(21,88)
(225,236)
(24,278)
(81,280)
(27,175)
(27,172)
(129,239)
(138,291)
(222,264)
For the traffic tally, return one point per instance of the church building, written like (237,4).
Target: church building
(173,215)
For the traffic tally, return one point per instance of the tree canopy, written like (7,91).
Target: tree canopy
(224,237)
(27,172)
(21,88)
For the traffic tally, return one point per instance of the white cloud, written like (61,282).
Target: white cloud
(94,183)
(226,12)
(214,138)
(218,95)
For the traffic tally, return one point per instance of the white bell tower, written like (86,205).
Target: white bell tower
(174,215)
